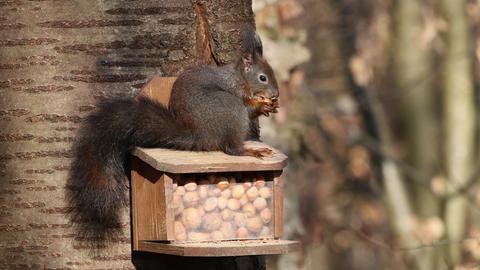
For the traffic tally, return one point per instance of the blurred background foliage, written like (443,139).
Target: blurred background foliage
(379,116)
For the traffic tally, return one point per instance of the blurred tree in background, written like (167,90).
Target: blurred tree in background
(380,120)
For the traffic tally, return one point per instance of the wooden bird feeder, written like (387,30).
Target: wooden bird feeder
(206,203)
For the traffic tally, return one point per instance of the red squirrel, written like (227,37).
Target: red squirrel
(211,108)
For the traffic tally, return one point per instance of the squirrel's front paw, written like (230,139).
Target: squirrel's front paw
(265,105)
(271,108)
(259,153)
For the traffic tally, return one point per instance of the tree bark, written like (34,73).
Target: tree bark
(459,123)
(413,73)
(57,59)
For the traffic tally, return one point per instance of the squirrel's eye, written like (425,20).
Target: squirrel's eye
(262,78)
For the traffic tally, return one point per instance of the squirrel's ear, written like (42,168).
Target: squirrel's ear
(257,44)
(247,60)
(250,39)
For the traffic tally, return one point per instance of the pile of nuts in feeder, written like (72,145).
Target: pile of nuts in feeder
(223,210)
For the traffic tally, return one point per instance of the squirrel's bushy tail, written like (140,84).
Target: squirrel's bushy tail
(97,187)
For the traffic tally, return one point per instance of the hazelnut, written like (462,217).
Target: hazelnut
(201,211)
(260,203)
(203,192)
(265,232)
(238,191)
(243,200)
(254,224)
(227,230)
(210,204)
(266,215)
(247,185)
(191,218)
(233,204)
(180,190)
(222,203)
(252,193)
(216,235)
(192,186)
(222,185)
(178,227)
(249,210)
(179,209)
(191,198)
(179,230)
(227,215)
(181,236)
(216,192)
(177,200)
(240,219)
(226,193)
(212,221)
(265,192)
(242,232)
(260,183)
(198,236)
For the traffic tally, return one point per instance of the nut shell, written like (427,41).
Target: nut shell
(212,222)
(265,192)
(180,190)
(240,219)
(191,218)
(243,200)
(266,215)
(260,203)
(249,210)
(252,193)
(238,191)
(233,204)
(223,184)
(242,232)
(254,224)
(198,236)
(210,204)
(216,235)
(226,193)
(203,192)
(191,199)
(227,215)
(265,232)
(227,230)
(222,203)
(192,186)
(259,183)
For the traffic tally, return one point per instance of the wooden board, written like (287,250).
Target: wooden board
(278,206)
(152,216)
(175,161)
(224,248)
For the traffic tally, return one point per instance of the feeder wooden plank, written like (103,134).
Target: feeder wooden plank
(175,161)
(278,206)
(223,248)
(152,216)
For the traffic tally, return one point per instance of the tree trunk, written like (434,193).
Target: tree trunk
(413,73)
(57,59)
(459,109)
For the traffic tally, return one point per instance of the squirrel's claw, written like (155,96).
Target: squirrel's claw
(259,153)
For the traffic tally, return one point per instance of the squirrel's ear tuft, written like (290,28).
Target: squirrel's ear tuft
(247,60)
(251,42)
